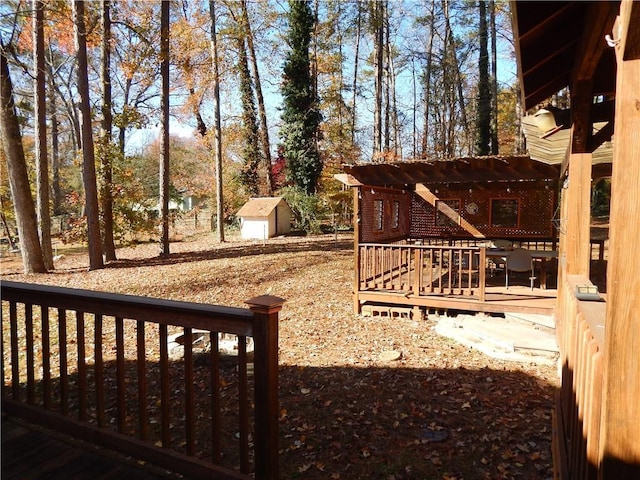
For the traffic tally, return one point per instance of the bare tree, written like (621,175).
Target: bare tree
(355,72)
(107,128)
(42,162)
(164,130)
(378,32)
(494,78)
(25,211)
(88,153)
(427,83)
(218,124)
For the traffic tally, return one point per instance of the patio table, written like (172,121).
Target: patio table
(541,255)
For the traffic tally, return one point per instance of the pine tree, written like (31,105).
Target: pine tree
(300,115)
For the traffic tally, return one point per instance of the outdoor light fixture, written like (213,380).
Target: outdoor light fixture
(545,120)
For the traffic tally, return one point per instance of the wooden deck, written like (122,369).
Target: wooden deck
(517,299)
(449,278)
(29,452)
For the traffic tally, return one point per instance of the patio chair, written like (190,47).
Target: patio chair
(501,243)
(498,263)
(519,260)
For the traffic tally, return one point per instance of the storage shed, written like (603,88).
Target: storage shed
(265,217)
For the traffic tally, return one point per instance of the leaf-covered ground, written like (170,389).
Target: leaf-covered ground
(442,411)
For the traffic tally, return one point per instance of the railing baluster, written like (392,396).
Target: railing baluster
(165,396)
(189,414)
(28,326)
(15,364)
(99,370)
(143,430)
(215,397)
(121,409)
(243,400)
(82,366)
(3,385)
(64,362)
(46,357)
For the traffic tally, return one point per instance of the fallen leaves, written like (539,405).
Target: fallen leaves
(344,413)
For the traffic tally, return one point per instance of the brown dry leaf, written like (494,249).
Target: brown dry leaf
(353,399)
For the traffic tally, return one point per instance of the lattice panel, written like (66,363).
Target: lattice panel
(395,214)
(535,213)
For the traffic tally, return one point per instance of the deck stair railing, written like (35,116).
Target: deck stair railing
(103,368)
(576,432)
(423,269)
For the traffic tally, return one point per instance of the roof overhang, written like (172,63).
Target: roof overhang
(559,43)
(460,171)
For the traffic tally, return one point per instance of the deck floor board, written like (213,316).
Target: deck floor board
(34,453)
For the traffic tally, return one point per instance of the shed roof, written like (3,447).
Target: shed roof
(260,206)
(471,170)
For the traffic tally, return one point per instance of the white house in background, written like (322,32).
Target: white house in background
(265,217)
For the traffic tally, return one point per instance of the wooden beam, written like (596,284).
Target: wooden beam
(581,104)
(598,22)
(619,451)
(454,216)
(578,215)
(630,21)
(603,135)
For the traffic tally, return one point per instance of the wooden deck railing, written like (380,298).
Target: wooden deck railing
(576,433)
(103,368)
(423,270)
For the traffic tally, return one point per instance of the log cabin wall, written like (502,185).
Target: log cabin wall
(384,214)
(535,210)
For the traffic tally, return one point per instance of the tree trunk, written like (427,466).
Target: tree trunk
(164,130)
(40,113)
(387,84)
(88,153)
(483,131)
(251,156)
(107,129)
(494,80)
(5,225)
(427,86)
(355,74)
(262,112)
(55,153)
(218,124)
(25,211)
(452,145)
(378,24)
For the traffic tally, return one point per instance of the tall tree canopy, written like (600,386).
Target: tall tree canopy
(335,81)
(300,115)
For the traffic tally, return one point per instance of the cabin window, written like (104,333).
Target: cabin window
(395,223)
(378,214)
(504,212)
(447,212)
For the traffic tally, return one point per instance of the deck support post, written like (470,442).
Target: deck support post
(578,219)
(619,451)
(356,249)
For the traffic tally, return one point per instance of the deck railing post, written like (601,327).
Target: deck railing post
(265,310)
(482,274)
